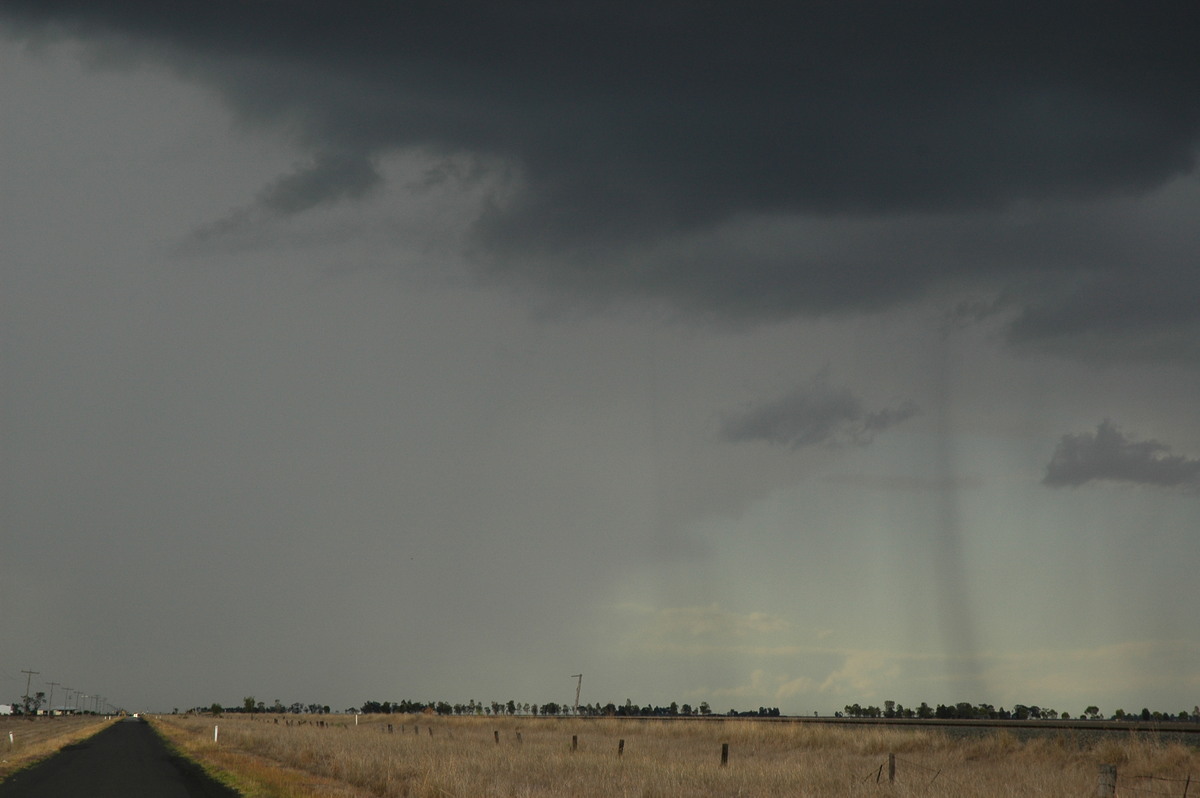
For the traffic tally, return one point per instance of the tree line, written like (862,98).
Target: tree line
(890,709)
(250,705)
(967,711)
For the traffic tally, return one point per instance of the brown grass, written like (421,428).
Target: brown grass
(436,757)
(34,740)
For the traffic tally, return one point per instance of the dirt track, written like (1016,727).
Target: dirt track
(126,759)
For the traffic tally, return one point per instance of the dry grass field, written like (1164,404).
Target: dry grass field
(32,740)
(437,757)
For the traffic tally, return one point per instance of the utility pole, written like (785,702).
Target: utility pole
(578,687)
(50,703)
(28,677)
(67,700)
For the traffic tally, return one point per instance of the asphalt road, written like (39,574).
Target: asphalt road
(126,760)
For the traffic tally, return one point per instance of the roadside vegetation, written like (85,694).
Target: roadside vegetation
(431,756)
(24,742)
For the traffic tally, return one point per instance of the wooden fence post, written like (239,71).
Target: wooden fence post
(724,754)
(1106,782)
(496,734)
(574,741)
(621,748)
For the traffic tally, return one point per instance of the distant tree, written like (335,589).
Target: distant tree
(889,709)
(705,709)
(249,704)
(1092,712)
(1145,713)
(550,708)
(1119,714)
(31,704)
(217,710)
(924,711)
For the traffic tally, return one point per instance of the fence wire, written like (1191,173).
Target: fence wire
(1124,782)
(1127,787)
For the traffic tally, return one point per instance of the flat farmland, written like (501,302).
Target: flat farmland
(435,757)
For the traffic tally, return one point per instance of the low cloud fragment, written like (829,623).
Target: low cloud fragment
(330,177)
(817,414)
(1107,454)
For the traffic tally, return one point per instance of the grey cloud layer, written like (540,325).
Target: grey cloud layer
(1107,454)
(644,137)
(814,414)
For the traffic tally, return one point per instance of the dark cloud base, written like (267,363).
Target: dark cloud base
(638,132)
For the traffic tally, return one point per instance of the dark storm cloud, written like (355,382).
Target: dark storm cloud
(1108,454)
(814,414)
(643,138)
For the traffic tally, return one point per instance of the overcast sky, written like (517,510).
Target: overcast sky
(786,355)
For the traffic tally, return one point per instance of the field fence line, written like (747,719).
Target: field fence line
(937,772)
(1142,791)
(1126,787)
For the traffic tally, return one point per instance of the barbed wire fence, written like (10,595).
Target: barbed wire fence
(1127,785)
(1108,783)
